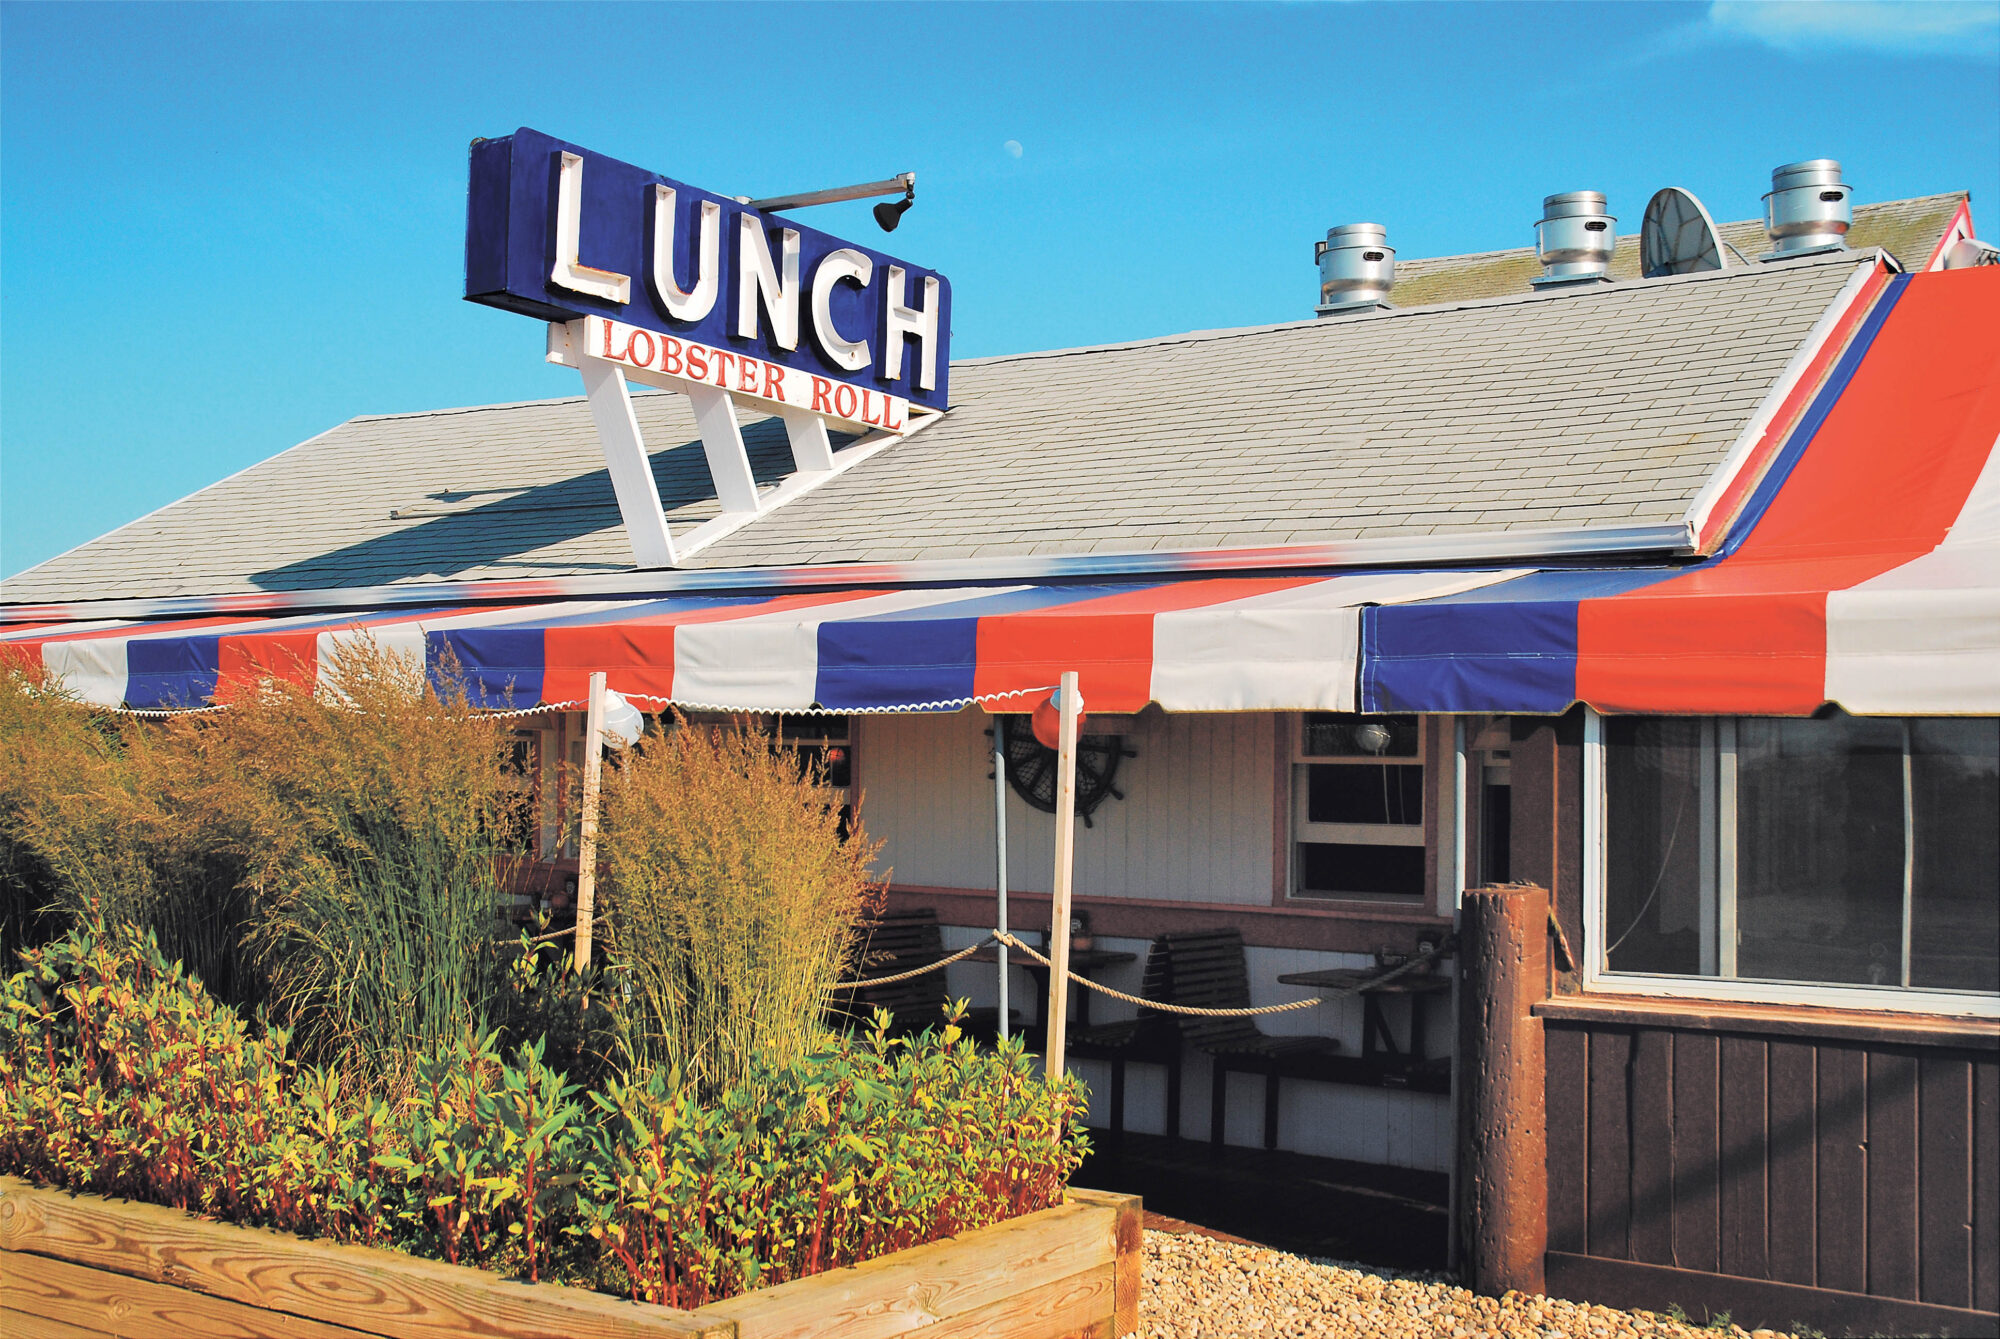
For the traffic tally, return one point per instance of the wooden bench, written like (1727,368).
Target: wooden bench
(1206,969)
(900,942)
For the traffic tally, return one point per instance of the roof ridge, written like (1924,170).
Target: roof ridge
(1763,269)
(1515,252)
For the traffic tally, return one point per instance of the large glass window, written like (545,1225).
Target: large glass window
(1841,850)
(1358,807)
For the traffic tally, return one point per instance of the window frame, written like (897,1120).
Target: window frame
(537,781)
(1423,902)
(1718,826)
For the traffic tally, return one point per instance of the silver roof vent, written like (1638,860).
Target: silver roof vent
(1575,239)
(1357,267)
(1809,209)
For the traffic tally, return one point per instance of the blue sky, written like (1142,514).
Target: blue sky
(224,229)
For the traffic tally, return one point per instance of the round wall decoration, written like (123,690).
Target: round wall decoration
(1031,768)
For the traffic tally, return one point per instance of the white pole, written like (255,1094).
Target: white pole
(586,842)
(1000,851)
(1071,705)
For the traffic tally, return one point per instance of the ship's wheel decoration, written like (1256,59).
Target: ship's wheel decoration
(1031,768)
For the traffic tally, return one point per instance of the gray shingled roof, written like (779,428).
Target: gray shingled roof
(1602,407)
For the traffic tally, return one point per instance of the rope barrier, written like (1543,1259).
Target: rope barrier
(1158,1006)
(905,976)
(1161,1006)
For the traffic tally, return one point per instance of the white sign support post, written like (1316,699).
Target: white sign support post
(586,842)
(1070,705)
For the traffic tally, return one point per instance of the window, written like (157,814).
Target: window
(532,825)
(1842,851)
(1358,807)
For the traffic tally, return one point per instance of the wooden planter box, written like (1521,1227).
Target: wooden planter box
(76,1265)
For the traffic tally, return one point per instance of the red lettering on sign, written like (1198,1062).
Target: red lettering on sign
(821,387)
(889,413)
(844,401)
(746,374)
(867,414)
(774,382)
(607,340)
(697,362)
(722,362)
(632,354)
(670,354)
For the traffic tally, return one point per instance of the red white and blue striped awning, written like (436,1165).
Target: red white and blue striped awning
(1862,567)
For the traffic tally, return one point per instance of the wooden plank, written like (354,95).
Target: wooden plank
(22,1325)
(1081,1305)
(1568,1050)
(1697,1152)
(1776,1020)
(1986,1185)
(1129,1269)
(1754,1303)
(1892,1174)
(1745,1158)
(1609,1189)
(98,1302)
(925,1284)
(1840,1166)
(1793,1126)
(378,1291)
(1944,1195)
(1651,1095)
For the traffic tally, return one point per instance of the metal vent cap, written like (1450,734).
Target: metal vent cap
(1357,268)
(1575,239)
(1809,208)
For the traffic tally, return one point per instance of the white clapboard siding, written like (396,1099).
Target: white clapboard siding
(1194,826)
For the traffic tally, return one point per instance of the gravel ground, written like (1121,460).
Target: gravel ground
(1199,1287)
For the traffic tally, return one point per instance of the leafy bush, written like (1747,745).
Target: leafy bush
(730,903)
(120,1074)
(871,1146)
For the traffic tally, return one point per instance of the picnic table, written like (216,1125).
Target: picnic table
(1377,1042)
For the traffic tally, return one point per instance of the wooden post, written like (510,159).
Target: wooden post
(1000,855)
(1503,1187)
(586,842)
(1070,705)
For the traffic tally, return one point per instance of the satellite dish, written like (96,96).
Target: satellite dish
(1678,236)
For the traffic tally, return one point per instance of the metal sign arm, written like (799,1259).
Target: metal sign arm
(899,184)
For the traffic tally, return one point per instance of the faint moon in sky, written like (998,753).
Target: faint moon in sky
(1012,148)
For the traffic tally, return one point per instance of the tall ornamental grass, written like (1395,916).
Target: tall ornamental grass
(328,854)
(119,816)
(373,812)
(731,902)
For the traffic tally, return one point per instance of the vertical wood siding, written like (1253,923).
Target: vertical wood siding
(1862,1167)
(1195,824)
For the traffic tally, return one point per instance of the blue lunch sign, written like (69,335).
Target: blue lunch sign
(558,233)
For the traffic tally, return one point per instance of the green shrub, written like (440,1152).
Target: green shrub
(730,903)
(120,1074)
(871,1146)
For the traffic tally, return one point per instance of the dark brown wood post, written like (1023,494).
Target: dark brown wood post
(1503,1188)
